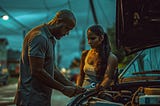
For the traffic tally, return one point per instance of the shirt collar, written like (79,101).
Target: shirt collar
(48,34)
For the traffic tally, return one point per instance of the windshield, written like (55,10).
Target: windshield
(145,64)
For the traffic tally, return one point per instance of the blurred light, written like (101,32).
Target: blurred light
(5,17)
(63,70)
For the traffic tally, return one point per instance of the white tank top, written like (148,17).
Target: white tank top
(88,68)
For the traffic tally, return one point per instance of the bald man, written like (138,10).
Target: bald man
(38,73)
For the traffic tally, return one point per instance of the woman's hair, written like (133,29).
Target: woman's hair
(104,50)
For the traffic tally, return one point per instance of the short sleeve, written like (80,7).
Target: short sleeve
(37,47)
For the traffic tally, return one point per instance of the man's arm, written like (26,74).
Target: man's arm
(37,71)
(62,79)
(59,77)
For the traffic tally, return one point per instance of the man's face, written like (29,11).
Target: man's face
(63,29)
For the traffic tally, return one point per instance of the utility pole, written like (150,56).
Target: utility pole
(93,11)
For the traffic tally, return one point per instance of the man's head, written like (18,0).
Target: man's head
(63,22)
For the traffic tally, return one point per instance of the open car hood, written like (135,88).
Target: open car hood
(137,24)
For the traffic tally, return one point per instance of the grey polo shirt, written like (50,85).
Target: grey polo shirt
(30,90)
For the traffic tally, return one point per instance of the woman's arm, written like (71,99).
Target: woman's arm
(80,78)
(110,71)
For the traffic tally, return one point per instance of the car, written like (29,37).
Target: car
(3,79)
(3,76)
(138,84)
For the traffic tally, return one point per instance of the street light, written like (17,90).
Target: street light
(5,17)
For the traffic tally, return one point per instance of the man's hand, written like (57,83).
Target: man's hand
(71,91)
(68,91)
(79,90)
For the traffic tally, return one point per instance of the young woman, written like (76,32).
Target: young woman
(98,64)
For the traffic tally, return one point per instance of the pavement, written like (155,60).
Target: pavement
(7,94)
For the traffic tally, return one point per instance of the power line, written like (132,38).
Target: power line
(24,26)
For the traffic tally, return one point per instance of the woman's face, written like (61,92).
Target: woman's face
(94,40)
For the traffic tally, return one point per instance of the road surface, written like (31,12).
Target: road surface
(7,94)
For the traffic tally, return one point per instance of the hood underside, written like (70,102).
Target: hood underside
(137,24)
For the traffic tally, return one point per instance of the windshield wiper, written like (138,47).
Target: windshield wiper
(147,72)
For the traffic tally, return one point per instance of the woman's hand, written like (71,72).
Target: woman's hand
(79,90)
(99,87)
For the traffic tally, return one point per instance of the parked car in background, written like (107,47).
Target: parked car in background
(3,76)
(13,62)
(13,69)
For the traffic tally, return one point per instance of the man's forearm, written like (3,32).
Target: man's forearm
(38,72)
(48,80)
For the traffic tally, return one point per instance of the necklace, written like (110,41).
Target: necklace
(92,57)
(94,52)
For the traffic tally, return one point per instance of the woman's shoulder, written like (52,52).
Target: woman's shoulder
(84,52)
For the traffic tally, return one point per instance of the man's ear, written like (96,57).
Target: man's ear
(59,20)
(102,38)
